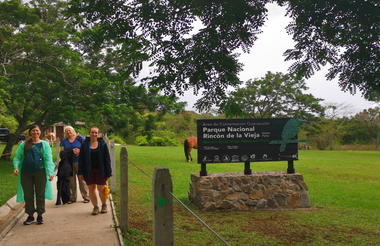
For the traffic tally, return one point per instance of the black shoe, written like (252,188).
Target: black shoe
(40,221)
(29,220)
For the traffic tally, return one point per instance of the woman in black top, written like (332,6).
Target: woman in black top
(95,168)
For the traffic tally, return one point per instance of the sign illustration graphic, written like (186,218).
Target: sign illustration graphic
(289,132)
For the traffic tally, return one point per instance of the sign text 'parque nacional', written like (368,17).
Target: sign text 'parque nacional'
(242,140)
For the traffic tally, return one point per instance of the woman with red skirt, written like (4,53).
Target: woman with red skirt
(95,168)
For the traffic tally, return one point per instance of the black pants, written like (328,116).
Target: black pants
(63,188)
(33,185)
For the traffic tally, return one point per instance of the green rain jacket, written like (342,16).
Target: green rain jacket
(48,163)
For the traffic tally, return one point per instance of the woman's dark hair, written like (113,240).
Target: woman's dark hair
(28,143)
(32,127)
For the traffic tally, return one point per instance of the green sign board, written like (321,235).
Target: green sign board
(247,140)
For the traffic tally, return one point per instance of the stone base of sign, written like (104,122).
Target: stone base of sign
(236,191)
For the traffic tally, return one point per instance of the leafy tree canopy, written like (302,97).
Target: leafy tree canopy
(47,76)
(343,34)
(275,95)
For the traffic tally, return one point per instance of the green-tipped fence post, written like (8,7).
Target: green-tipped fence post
(162,208)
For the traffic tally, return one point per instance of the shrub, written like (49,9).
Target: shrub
(162,141)
(142,141)
(155,141)
(117,139)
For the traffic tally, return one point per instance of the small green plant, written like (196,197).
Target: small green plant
(142,141)
(117,139)
(162,141)
(156,141)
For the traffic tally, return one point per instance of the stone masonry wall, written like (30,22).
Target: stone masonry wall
(236,191)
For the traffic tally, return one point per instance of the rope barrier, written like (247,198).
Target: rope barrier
(188,209)
(5,154)
(149,176)
(200,220)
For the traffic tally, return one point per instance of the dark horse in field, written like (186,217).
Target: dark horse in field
(188,145)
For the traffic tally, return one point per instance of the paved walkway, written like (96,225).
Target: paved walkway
(69,224)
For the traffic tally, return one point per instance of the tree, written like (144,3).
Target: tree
(50,72)
(41,76)
(343,34)
(364,128)
(117,59)
(275,95)
(7,120)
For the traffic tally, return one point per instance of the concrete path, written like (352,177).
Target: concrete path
(69,224)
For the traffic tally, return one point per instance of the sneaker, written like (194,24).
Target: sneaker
(95,211)
(40,221)
(104,209)
(86,201)
(29,220)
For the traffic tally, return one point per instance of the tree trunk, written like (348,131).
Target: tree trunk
(12,140)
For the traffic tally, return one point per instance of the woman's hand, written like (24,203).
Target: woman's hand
(15,172)
(51,178)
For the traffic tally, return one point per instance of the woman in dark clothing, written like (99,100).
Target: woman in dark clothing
(71,145)
(95,168)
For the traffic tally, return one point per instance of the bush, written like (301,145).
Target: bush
(142,140)
(162,141)
(155,141)
(117,139)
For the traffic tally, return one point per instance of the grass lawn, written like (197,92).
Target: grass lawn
(344,188)
(8,182)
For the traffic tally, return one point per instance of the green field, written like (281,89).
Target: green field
(344,188)
(7,179)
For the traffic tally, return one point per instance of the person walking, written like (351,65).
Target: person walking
(34,166)
(71,145)
(95,168)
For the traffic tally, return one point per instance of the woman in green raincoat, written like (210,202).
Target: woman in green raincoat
(33,164)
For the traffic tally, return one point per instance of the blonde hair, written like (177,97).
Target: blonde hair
(71,128)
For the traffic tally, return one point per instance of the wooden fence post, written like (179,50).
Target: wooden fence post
(113,166)
(162,208)
(124,190)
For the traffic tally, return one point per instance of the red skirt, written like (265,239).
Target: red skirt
(95,178)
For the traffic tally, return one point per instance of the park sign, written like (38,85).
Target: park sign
(247,140)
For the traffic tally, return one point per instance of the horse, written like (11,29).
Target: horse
(188,145)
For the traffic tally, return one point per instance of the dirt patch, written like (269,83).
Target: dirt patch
(188,228)
(137,219)
(356,231)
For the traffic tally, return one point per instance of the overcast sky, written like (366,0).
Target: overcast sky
(266,55)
